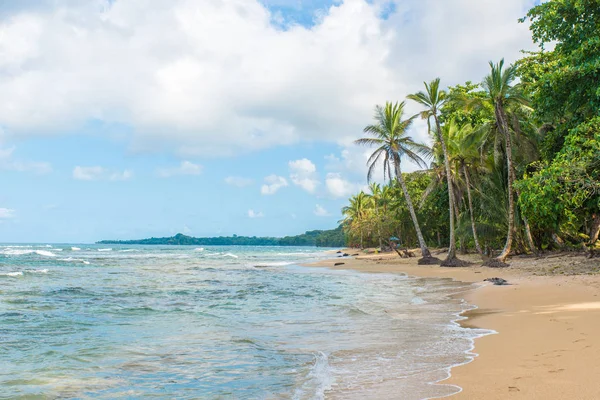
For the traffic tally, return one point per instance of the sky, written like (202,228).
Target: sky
(123,119)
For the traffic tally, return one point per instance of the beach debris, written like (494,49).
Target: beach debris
(354,255)
(497,281)
(336,264)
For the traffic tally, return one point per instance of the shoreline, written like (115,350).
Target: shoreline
(546,344)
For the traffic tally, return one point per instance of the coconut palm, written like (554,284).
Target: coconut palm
(355,215)
(433,99)
(389,136)
(502,94)
(376,198)
(466,158)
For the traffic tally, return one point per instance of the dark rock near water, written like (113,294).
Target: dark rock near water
(339,252)
(355,255)
(497,281)
(345,255)
(336,264)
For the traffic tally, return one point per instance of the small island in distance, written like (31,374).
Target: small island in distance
(318,238)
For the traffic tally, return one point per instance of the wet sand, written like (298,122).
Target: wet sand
(547,344)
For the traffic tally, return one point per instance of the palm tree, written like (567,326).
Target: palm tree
(501,93)
(376,197)
(392,143)
(355,215)
(433,99)
(465,155)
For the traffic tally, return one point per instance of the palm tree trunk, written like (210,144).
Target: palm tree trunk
(475,238)
(525,221)
(595,230)
(424,250)
(503,126)
(452,245)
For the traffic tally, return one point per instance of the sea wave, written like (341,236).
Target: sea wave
(71,259)
(16,252)
(13,274)
(109,249)
(75,248)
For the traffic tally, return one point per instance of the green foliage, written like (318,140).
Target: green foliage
(330,238)
(564,83)
(561,194)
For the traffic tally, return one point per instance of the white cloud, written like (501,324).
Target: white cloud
(218,77)
(303,173)
(339,187)
(97,173)
(6,213)
(238,181)
(272,184)
(185,168)
(8,163)
(321,212)
(254,214)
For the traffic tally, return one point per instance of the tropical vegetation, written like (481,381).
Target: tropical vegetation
(514,164)
(319,238)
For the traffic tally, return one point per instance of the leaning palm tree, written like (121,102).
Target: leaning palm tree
(433,99)
(501,93)
(389,136)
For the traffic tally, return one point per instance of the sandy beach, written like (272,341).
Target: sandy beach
(547,321)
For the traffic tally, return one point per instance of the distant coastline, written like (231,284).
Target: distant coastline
(318,238)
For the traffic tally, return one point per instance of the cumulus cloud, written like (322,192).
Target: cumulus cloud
(339,187)
(272,184)
(97,173)
(223,77)
(185,168)
(321,212)
(254,214)
(6,213)
(9,163)
(238,181)
(303,173)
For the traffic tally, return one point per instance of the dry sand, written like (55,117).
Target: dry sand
(548,341)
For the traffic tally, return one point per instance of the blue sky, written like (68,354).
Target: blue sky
(130,118)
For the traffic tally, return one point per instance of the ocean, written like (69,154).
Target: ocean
(104,322)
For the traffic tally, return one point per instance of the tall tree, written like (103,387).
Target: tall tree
(466,157)
(501,93)
(391,140)
(355,216)
(433,99)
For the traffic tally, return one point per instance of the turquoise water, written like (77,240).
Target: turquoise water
(88,321)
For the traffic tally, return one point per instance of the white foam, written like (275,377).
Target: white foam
(37,271)
(109,249)
(17,273)
(45,253)
(128,250)
(16,252)
(273,264)
(199,249)
(71,259)
(75,249)
(230,255)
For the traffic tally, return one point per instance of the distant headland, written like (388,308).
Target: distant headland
(319,238)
